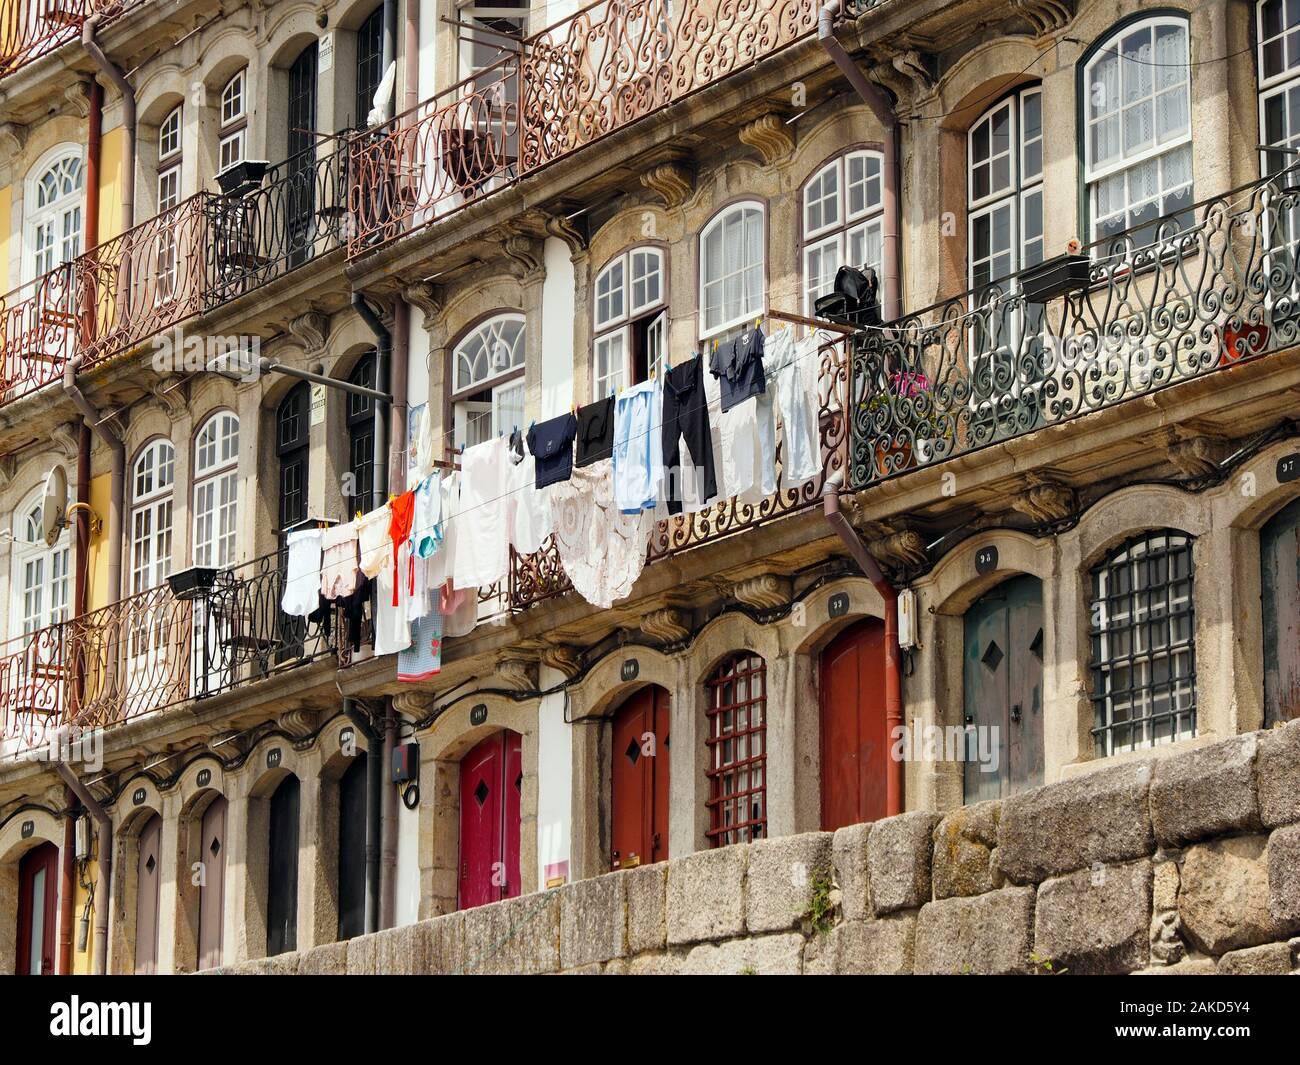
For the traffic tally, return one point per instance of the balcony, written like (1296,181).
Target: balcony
(1184,297)
(152,651)
(30,29)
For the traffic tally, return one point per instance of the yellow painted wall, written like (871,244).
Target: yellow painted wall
(110,185)
(97,563)
(82,962)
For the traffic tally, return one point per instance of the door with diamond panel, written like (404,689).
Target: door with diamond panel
(1003,690)
(148,893)
(212,891)
(639,780)
(491,786)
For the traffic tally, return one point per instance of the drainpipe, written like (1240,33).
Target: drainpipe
(123,86)
(373,826)
(893,670)
(383,358)
(68,886)
(110,436)
(388,52)
(411,55)
(388,856)
(400,373)
(891,287)
(104,879)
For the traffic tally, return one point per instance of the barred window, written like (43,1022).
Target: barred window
(737,751)
(1144,644)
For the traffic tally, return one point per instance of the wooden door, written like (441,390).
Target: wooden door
(1002,681)
(1279,550)
(148,894)
(37,910)
(854,741)
(212,892)
(352,849)
(491,784)
(639,780)
(282,870)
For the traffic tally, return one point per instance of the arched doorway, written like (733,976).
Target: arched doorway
(148,895)
(1279,563)
(352,849)
(1002,683)
(639,780)
(37,910)
(282,869)
(212,888)
(854,742)
(491,787)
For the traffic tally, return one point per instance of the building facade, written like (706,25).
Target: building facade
(1053,524)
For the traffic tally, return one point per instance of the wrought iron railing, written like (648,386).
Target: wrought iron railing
(153,650)
(1180,298)
(37,333)
(30,29)
(540,576)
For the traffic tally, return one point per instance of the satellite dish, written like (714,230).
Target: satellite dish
(54,505)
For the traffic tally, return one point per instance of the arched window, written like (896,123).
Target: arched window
(1144,643)
(488,379)
(737,750)
(361,434)
(1138,136)
(733,268)
(631,326)
(169,161)
(54,213)
(370,63)
(1279,80)
(216,496)
(40,573)
(293,448)
(234,121)
(842,221)
(151,515)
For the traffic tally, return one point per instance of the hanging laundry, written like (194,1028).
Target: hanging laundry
(638,447)
(353,606)
(459,610)
(482,548)
(426,531)
(372,536)
(302,580)
(423,659)
(686,415)
(738,365)
(551,443)
(748,432)
(401,513)
(339,567)
(595,432)
(392,626)
(441,561)
(791,368)
(527,507)
(602,548)
(422,444)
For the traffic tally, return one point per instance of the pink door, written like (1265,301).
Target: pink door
(212,892)
(491,784)
(148,887)
(37,910)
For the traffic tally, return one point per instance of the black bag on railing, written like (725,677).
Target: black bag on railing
(856,298)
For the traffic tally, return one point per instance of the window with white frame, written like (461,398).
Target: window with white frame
(488,380)
(216,483)
(234,122)
(1138,137)
(631,324)
(169,161)
(54,221)
(733,268)
(40,574)
(1005,189)
(1279,81)
(152,478)
(842,221)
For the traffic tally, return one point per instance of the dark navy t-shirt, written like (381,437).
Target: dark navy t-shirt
(551,443)
(738,366)
(595,432)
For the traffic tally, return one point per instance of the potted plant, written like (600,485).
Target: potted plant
(193,583)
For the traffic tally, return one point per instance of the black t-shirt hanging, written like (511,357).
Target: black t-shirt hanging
(738,366)
(595,432)
(551,443)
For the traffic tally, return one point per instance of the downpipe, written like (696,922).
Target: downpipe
(103,428)
(104,875)
(115,75)
(388,822)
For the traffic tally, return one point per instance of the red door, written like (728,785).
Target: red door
(491,785)
(212,892)
(148,888)
(639,781)
(37,895)
(854,744)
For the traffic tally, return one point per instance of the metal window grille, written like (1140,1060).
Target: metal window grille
(737,751)
(1143,632)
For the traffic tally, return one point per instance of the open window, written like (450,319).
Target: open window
(488,380)
(630,321)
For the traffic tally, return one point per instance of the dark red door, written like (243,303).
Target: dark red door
(491,785)
(212,892)
(37,893)
(639,781)
(854,744)
(148,888)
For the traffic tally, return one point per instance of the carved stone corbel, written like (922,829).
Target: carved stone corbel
(75,97)
(672,182)
(1045,16)
(562,657)
(517,674)
(415,703)
(667,625)
(299,723)
(565,229)
(893,544)
(310,330)
(12,138)
(522,254)
(770,137)
(170,395)
(64,439)
(429,299)
(1045,500)
(767,591)
(8,468)
(1192,453)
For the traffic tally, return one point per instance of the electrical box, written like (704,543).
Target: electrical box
(81,846)
(406,763)
(908,623)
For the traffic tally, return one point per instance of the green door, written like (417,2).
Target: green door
(1002,681)
(1279,561)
